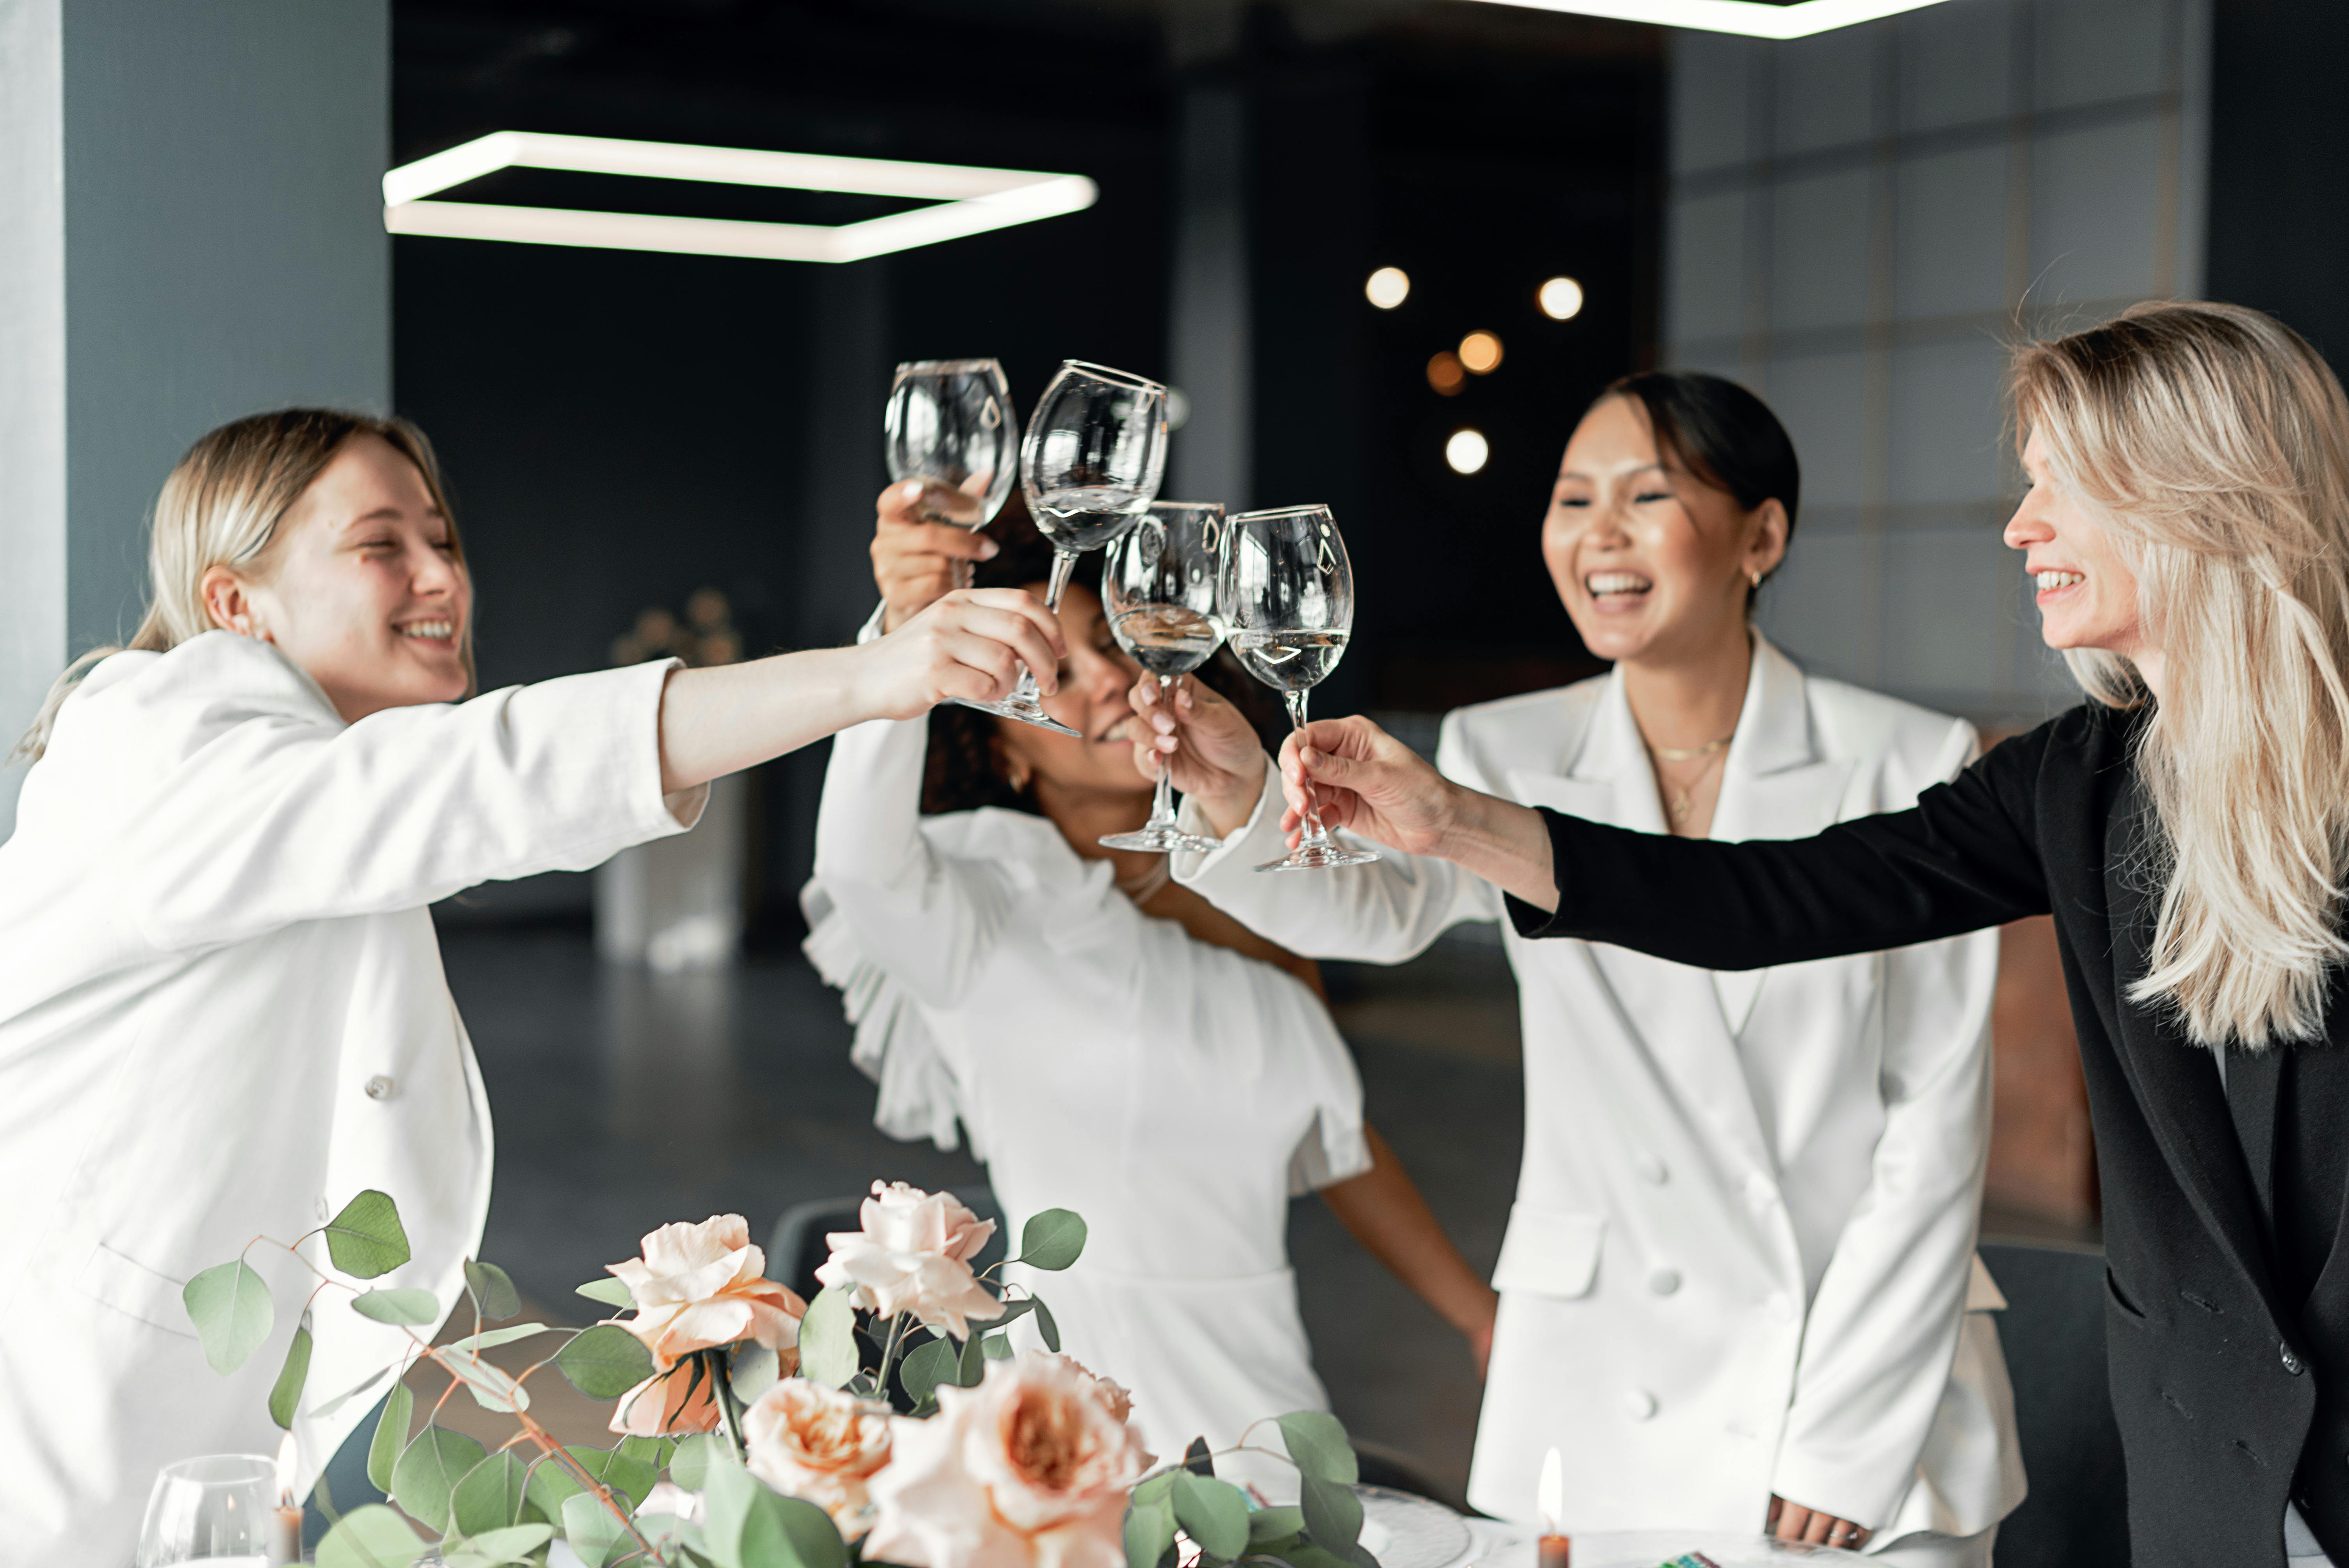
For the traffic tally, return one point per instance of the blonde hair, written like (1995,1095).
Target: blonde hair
(2213,444)
(222,506)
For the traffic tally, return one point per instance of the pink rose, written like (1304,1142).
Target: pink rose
(1030,1469)
(699,1286)
(677,1400)
(914,1255)
(820,1445)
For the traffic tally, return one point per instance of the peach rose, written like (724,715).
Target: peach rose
(820,1445)
(701,1286)
(677,1400)
(1030,1469)
(914,1255)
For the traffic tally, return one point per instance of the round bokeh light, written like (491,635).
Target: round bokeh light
(1480,353)
(1388,287)
(1444,373)
(1468,451)
(1561,299)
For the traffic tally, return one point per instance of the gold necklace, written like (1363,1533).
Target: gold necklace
(1690,753)
(1683,801)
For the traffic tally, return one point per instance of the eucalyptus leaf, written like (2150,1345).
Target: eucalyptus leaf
(1046,1326)
(515,1544)
(926,1367)
(1052,1240)
(490,1496)
(1274,1523)
(406,1306)
(1332,1512)
(552,1482)
(777,1530)
(728,1493)
(1012,1312)
(828,1353)
(971,1370)
(625,1472)
(691,1461)
(1212,1513)
(347,1395)
(474,1343)
(1359,1556)
(610,1291)
(230,1306)
(287,1392)
(605,1362)
(493,1289)
(1156,1489)
(1148,1532)
(371,1536)
(390,1436)
(1317,1445)
(365,1238)
(750,1371)
(492,1387)
(995,1347)
(1197,1460)
(590,1528)
(428,1472)
(650,1451)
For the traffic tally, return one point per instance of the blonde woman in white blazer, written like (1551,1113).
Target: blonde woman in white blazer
(221,1011)
(1738,1287)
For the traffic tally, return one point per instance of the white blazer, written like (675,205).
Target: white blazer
(1173,1092)
(222,1016)
(1743,1245)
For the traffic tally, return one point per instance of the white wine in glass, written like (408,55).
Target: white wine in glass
(1289,597)
(1159,585)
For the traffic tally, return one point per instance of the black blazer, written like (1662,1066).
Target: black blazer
(2227,1333)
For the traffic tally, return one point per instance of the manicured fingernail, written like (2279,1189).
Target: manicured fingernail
(988,550)
(911,490)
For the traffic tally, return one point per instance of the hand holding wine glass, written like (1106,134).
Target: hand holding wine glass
(950,428)
(1159,585)
(1289,592)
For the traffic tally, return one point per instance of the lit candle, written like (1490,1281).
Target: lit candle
(1556,1551)
(285,1518)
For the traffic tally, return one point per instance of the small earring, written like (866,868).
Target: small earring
(1018,771)
(1756,576)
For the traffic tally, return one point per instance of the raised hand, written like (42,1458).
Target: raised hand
(1211,752)
(1792,1521)
(970,643)
(918,562)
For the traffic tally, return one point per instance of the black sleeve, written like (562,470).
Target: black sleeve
(1964,857)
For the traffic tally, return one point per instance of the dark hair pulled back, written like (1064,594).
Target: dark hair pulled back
(1720,434)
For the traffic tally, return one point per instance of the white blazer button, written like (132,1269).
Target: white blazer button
(1664,1282)
(1652,1167)
(378,1087)
(1638,1404)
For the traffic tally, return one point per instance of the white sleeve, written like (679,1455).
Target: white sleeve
(927,921)
(275,814)
(1883,1329)
(1383,913)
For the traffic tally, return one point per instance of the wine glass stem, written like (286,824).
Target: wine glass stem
(1064,566)
(1315,832)
(1161,805)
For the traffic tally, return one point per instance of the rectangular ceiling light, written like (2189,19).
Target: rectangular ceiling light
(968,201)
(1747,17)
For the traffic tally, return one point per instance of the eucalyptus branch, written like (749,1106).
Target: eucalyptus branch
(730,1412)
(889,1352)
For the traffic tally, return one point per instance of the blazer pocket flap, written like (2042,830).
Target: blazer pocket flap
(1550,1252)
(131,1286)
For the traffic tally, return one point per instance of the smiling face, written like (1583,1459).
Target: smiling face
(1654,564)
(1094,679)
(361,587)
(2087,595)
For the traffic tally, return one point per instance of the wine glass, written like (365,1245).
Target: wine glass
(218,1509)
(1090,461)
(1289,597)
(1159,582)
(950,424)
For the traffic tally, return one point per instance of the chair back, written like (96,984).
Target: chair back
(2053,1331)
(798,1247)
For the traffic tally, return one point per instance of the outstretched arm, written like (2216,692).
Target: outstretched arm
(1382,1210)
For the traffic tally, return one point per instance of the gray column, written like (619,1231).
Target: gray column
(190,229)
(1210,354)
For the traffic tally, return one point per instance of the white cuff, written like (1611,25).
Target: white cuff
(1189,867)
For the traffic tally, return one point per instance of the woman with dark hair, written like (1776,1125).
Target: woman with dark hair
(1738,1288)
(1108,1041)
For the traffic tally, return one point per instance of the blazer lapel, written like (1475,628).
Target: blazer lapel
(1773,784)
(1671,1006)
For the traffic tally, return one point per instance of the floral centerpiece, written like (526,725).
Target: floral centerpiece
(888,1420)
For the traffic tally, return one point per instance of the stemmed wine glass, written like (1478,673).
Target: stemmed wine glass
(1159,582)
(1289,595)
(222,1507)
(1091,461)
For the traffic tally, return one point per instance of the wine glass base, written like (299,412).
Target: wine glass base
(1026,713)
(1160,841)
(1320,857)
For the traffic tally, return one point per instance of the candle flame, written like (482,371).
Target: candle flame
(1551,1499)
(289,1459)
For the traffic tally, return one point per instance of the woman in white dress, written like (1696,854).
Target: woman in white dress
(221,1012)
(1738,1287)
(1107,1041)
